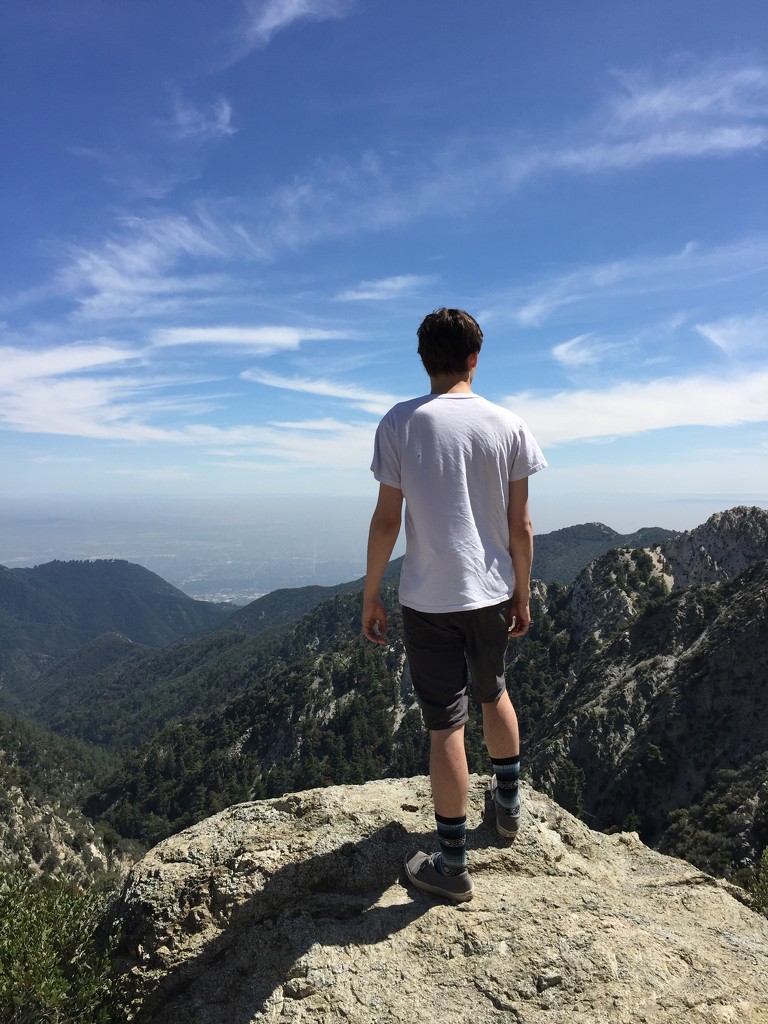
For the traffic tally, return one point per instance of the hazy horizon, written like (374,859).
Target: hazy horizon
(237,549)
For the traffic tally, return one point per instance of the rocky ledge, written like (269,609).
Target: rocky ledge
(295,909)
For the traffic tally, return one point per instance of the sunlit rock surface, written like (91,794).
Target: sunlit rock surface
(295,909)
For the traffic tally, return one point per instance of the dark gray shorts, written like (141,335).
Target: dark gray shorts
(442,646)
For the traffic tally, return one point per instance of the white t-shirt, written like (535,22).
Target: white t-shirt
(453,457)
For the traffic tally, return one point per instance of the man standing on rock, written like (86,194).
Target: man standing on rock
(462,465)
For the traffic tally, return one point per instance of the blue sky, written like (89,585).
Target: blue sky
(224,222)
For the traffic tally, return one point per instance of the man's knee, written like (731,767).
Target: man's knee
(452,734)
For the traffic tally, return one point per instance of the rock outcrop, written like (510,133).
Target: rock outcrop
(294,909)
(677,695)
(40,839)
(612,590)
(720,548)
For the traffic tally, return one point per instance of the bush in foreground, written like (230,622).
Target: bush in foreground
(50,969)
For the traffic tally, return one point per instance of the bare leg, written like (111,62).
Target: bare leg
(500,731)
(448,772)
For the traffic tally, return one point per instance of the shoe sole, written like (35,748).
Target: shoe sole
(457,897)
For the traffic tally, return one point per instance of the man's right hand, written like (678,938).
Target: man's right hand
(519,617)
(374,620)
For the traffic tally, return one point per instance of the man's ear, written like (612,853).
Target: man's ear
(472,361)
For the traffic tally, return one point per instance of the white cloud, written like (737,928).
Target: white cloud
(18,365)
(130,273)
(154,266)
(694,268)
(686,144)
(267,17)
(43,394)
(335,198)
(369,401)
(99,408)
(208,124)
(635,408)
(706,94)
(59,391)
(264,340)
(384,288)
(346,448)
(583,350)
(326,424)
(738,335)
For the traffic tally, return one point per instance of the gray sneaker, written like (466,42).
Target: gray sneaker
(507,819)
(421,870)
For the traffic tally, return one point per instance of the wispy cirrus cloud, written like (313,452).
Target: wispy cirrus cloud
(118,408)
(385,288)
(709,93)
(65,391)
(310,446)
(264,340)
(584,350)
(134,272)
(631,407)
(700,111)
(18,365)
(265,18)
(377,192)
(738,335)
(371,402)
(710,141)
(153,266)
(201,124)
(694,268)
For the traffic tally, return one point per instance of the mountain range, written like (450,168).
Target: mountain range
(639,690)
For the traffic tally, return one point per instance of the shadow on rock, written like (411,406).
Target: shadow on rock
(331,899)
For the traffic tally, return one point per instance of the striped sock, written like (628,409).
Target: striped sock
(452,836)
(507,772)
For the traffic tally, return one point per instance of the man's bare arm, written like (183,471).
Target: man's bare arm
(521,550)
(385,526)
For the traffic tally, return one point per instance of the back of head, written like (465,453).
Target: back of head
(447,338)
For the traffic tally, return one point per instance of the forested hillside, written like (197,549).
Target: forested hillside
(51,611)
(331,709)
(561,555)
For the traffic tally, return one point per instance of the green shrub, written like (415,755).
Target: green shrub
(50,969)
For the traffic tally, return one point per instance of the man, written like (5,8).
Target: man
(462,465)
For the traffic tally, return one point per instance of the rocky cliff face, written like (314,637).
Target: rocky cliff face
(678,694)
(293,909)
(612,590)
(725,545)
(39,838)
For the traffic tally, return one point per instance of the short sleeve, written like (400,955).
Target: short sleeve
(529,458)
(386,458)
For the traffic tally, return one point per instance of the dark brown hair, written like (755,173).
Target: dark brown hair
(447,338)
